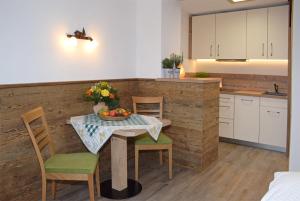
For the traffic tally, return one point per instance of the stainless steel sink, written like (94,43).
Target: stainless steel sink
(273,93)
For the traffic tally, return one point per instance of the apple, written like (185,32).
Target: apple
(112,113)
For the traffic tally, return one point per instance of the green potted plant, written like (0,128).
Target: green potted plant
(170,66)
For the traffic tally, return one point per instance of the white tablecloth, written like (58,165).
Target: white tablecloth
(94,132)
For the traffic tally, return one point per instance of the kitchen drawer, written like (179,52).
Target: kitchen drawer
(226,110)
(272,102)
(226,127)
(226,98)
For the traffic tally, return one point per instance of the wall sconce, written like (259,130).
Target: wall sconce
(80,35)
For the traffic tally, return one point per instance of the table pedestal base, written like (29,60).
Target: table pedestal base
(133,189)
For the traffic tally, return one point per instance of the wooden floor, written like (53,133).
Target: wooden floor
(241,174)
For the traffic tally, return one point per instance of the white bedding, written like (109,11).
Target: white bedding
(284,187)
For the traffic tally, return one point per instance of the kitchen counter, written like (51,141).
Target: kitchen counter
(192,106)
(192,80)
(250,93)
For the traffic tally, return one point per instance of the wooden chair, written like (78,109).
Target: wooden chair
(75,166)
(145,142)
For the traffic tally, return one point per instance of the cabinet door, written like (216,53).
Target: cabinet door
(203,37)
(273,126)
(231,35)
(225,127)
(257,33)
(278,21)
(246,118)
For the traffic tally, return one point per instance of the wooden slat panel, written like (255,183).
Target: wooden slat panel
(33,115)
(41,137)
(147,100)
(38,131)
(43,143)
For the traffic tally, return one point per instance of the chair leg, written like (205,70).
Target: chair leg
(53,186)
(160,157)
(91,187)
(136,156)
(44,188)
(98,180)
(170,162)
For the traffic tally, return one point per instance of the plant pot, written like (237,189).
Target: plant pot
(176,73)
(165,72)
(99,106)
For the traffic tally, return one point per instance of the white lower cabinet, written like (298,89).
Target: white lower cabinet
(246,118)
(273,122)
(253,119)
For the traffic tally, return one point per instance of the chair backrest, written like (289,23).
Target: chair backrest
(39,133)
(148,111)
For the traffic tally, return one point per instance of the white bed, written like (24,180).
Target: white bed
(284,187)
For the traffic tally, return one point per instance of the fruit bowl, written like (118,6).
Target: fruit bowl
(118,114)
(109,118)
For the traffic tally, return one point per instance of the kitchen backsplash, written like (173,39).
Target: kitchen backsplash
(250,81)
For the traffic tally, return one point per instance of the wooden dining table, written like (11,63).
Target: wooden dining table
(120,186)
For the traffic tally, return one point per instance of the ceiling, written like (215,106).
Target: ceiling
(209,6)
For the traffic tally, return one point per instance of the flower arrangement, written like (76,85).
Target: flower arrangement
(103,92)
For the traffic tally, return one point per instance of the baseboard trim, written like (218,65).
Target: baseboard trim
(252,144)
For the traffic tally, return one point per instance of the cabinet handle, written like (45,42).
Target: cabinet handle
(225,98)
(263,50)
(222,122)
(224,106)
(271,49)
(247,100)
(210,51)
(271,111)
(218,49)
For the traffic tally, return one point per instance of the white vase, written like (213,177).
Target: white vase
(165,72)
(99,106)
(177,73)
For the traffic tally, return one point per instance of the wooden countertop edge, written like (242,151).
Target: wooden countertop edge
(195,80)
(5,86)
(256,94)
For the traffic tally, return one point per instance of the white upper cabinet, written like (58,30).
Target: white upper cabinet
(257,34)
(278,22)
(252,34)
(231,35)
(203,36)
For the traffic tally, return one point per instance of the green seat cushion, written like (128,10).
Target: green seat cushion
(146,139)
(75,163)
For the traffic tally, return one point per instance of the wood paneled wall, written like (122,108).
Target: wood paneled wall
(20,173)
(192,107)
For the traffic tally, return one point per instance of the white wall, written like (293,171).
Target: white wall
(158,34)
(149,38)
(171,27)
(294,163)
(33,31)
